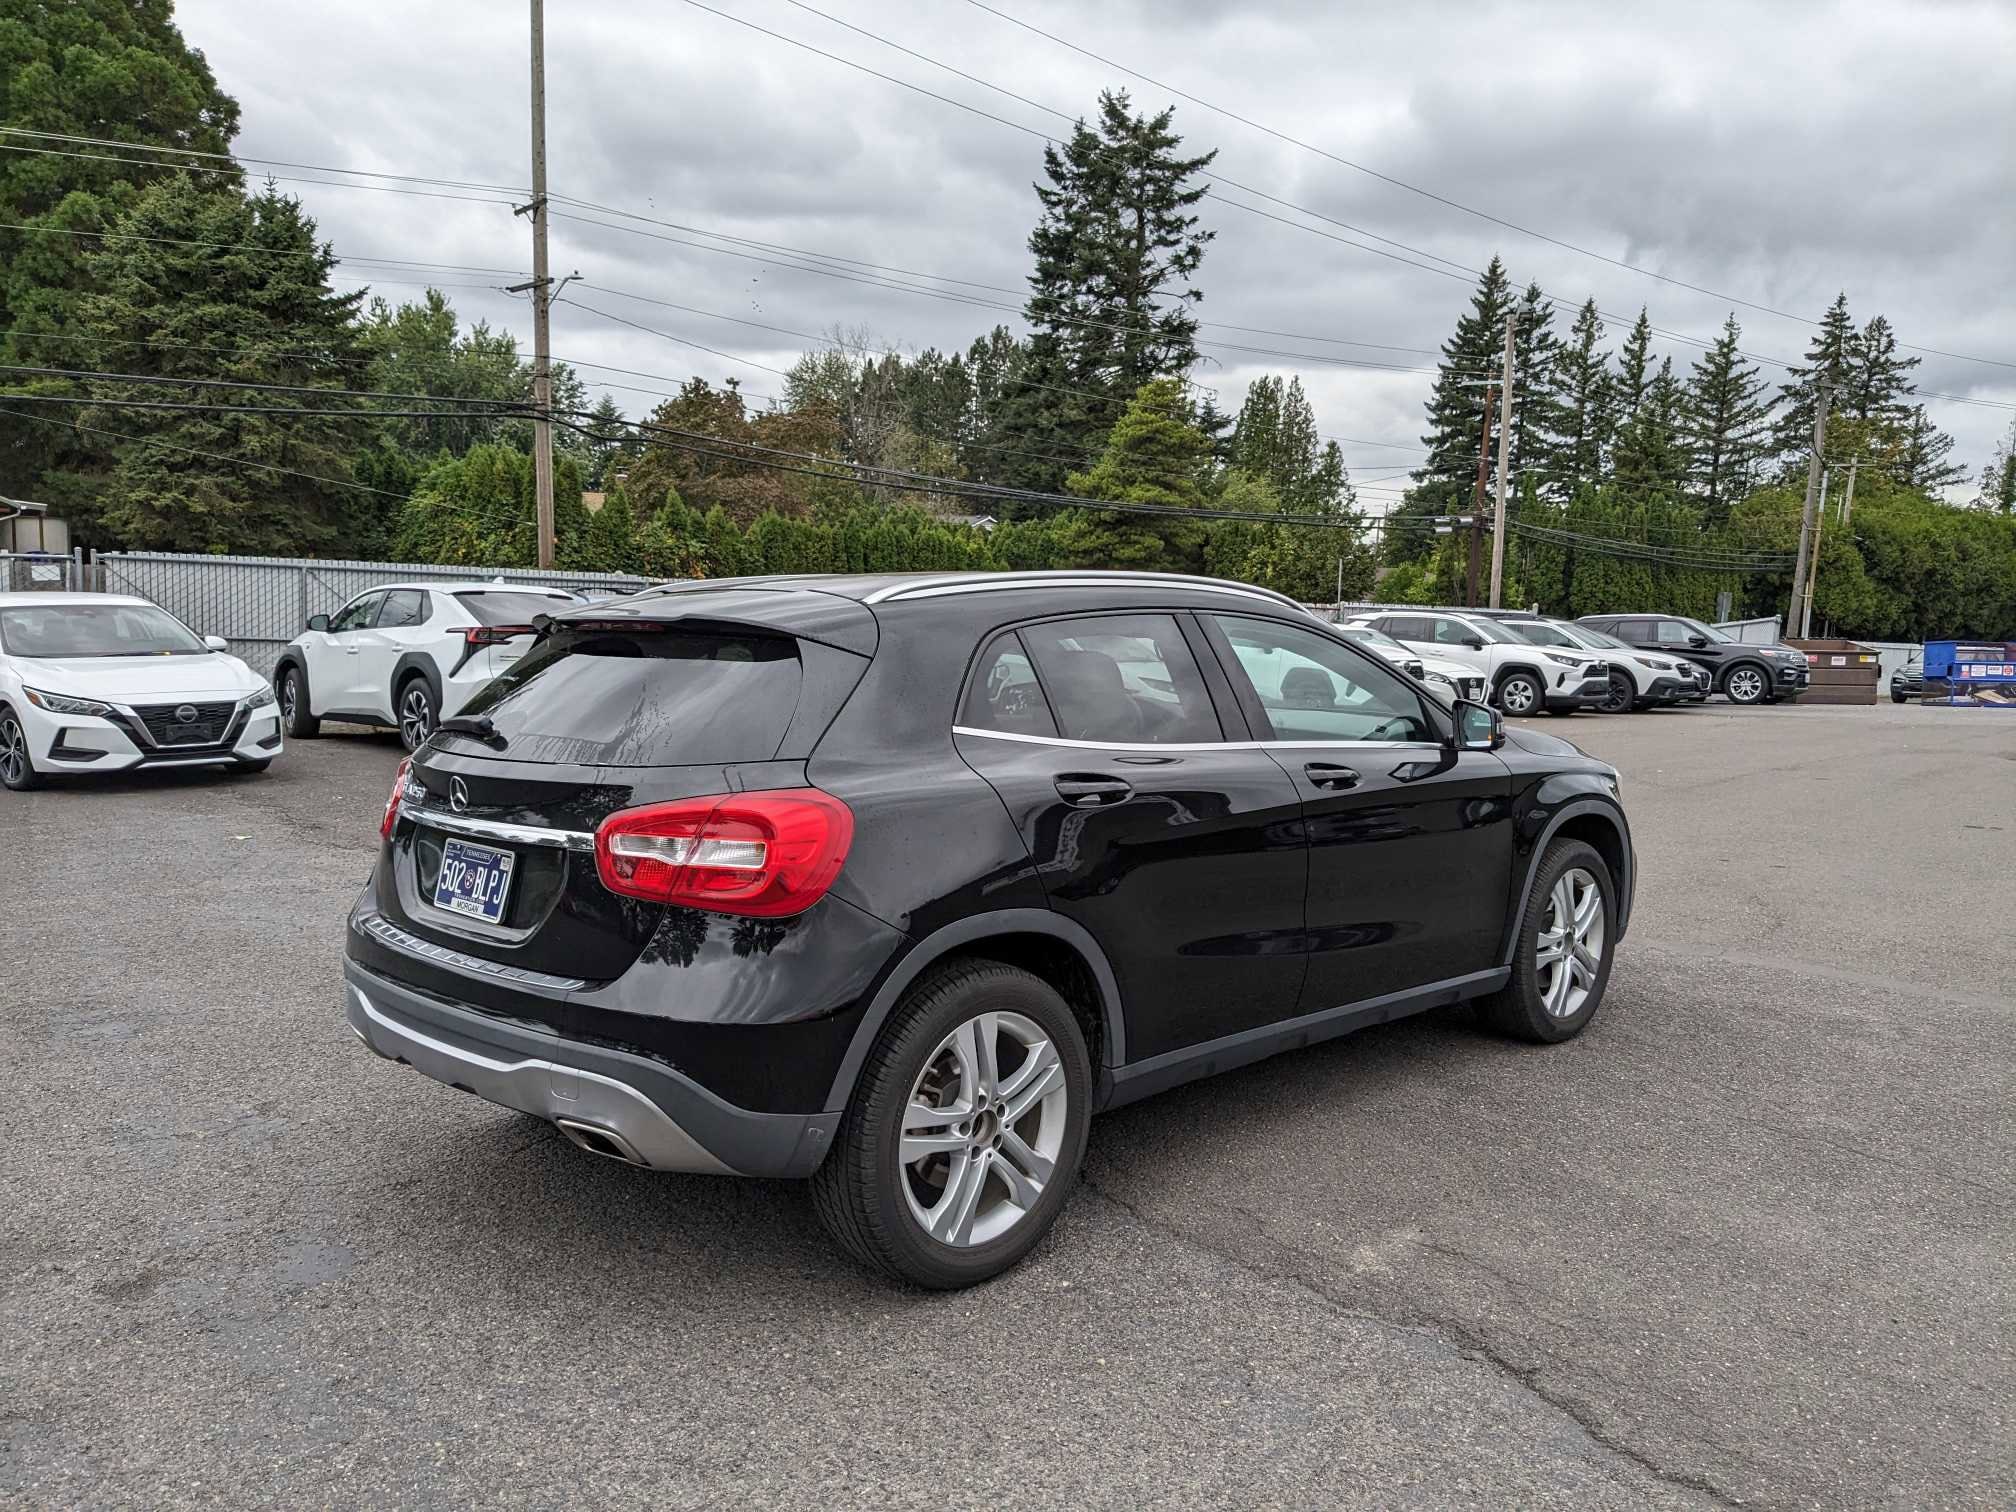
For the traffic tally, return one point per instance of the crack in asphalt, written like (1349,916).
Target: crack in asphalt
(1466,1340)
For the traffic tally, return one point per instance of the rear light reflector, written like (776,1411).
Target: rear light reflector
(392,804)
(477,636)
(766,854)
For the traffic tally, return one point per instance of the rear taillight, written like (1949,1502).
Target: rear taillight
(765,854)
(477,636)
(392,804)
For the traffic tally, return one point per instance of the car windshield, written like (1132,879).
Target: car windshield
(1378,640)
(1589,635)
(55,630)
(1710,631)
(1540,633)
(1491,633)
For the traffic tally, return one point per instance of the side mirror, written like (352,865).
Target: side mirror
(1479,727)
(216,643)
(1697,641)
(1474,642)
(318,622)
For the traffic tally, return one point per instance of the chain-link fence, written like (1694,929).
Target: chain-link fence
(41,572)
(259,604)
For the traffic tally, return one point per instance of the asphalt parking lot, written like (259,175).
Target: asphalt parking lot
(1748,1240)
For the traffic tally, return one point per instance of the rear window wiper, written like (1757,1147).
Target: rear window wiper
(478,725)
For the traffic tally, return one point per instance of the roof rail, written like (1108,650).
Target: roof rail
(937,585)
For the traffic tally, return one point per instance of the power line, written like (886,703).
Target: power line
(400,263)
(80,401)
(282,178)
(232,157)
(1429,193)
(192,451)
(245,384)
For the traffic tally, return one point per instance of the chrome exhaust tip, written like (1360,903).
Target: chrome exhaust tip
(600,1141)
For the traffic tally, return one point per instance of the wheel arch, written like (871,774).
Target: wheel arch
(410,665)
(1507,669)
(1055,949)
(1599,824)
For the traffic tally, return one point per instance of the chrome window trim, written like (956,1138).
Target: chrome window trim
(997,582)
(399,939)
(492,829)
(1213,745)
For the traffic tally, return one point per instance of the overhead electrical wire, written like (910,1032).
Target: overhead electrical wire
(1429,194)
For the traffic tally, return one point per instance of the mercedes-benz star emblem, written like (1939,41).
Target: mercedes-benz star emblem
(458,794)
(186,714)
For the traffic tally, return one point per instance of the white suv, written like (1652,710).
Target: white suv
(407,655)
(1638,679)
(100,682)
(1523,678)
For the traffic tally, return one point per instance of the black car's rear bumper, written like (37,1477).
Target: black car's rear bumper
(607,1101)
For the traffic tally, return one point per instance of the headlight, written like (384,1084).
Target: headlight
(1566,661)
(259,698)
(1438,677)
(57,703)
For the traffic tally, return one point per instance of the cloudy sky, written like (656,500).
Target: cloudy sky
(1771,154)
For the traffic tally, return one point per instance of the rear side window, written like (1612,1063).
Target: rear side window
(404,607)
(503,607)
(638,694)
(1409,627)
(1122,679)
(1005,695)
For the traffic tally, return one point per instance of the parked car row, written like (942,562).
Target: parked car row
(1522,662)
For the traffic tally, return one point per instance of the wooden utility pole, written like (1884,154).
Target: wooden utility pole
(1472,580)
(542,295)
(1813,567)
(1848,502)
(1806,520)
(1504,456)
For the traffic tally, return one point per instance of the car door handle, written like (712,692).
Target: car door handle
(1327,775)
(1082,790)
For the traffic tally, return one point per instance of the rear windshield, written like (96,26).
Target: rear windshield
(642,695)
(502,607)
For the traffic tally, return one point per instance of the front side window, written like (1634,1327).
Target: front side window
(95,630)
(1122,679)
(1005,695)
(1671,632)
(1311,688)
(358,616)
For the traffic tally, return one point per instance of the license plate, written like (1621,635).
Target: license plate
(474,880)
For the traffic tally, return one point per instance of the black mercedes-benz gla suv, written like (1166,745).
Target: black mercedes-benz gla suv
(893,882)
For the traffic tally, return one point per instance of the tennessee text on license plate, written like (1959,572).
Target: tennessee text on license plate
(474,880)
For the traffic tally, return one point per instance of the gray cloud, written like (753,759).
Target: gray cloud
(1774,153)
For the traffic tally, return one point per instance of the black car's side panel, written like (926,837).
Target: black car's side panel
(1193,882)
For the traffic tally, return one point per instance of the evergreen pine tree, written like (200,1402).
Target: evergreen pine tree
(1878,385)
(1634,367)
(1922,454)
(1727,416)
(1652,455)
(196,269)
(1535,419)
(1583,409)
(1830,359)
(1111,295)
(1998,478)
(1444,482)
(1156,455)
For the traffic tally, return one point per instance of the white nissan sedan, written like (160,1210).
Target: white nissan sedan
(97,682)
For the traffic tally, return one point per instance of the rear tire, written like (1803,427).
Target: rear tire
(1559,974)
(17,767)
(414,701)
(294,715)
(885,1210)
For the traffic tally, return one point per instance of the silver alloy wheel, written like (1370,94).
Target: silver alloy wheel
(13,751)
(1518,695)
(980,1139)
(416,715)
(290,696)
(1746,685)
(1570,949)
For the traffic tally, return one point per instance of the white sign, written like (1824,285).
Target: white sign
(45,572)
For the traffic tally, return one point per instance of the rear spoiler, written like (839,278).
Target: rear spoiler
(801,613)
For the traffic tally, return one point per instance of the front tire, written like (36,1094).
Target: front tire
(1567,938)
(966,1131)
(17,767)
(1746,685)
(295,717)
(1520,694)
(417,713)
(1622,697)
(1898,698)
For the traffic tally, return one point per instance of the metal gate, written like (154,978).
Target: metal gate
(41,572)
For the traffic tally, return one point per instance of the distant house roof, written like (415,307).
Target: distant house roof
(977,521)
